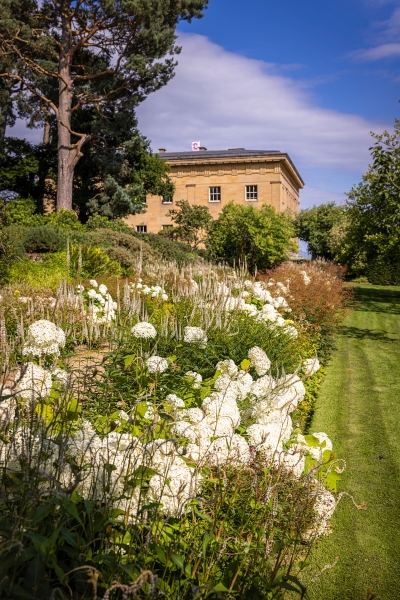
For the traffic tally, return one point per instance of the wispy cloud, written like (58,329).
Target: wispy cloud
(227,100)
(377,53)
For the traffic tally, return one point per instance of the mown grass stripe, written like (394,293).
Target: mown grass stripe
(359,409)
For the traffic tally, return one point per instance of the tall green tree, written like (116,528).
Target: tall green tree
(373,210)
(96,53)
(317,226)
(260,237)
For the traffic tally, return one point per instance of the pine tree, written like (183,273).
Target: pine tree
(96,54)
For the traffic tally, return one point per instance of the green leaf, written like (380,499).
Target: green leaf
(41,513)
(207,537)
(128,360)
(178,561)
(312,441)
(71,509)
(220,588)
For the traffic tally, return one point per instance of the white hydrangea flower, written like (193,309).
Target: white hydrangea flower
(94,283)
(174,401)
(32,382)
(219,405)
(194,415)
(164,297)
(259,360)
(103,289)
(92,294)
(244,383)
(44,338)
(174,489)
(324,507)
(233,450)
(197,378)
(227,366)
(292,460)
(144,330)
(195,335)
(311,366)
(269,436)
(156,364)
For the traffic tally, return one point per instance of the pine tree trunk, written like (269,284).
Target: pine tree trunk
(65,160)
(46,129)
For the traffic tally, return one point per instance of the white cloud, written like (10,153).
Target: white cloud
(227,100)
(377,53)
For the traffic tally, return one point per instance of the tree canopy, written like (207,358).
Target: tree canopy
(79,57)
(260,237)
(316,225)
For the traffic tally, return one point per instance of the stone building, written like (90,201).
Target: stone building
(215,177)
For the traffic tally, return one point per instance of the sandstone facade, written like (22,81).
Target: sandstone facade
(214,178)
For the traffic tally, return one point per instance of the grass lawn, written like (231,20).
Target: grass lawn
(359,408)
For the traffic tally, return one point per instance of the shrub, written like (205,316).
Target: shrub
(98,222)
(169,249)
(22,211)
(44,238)
(94,262)
(64,219)
(107,238)
(45,274)
(381,272)
(11,249)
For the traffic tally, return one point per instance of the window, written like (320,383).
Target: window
(141,228)
(166,227)
(166,199)
(214,194)
(252,192)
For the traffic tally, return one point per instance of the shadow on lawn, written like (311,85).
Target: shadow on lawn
(365,334)
(377,299)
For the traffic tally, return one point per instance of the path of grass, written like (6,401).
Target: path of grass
(359,408)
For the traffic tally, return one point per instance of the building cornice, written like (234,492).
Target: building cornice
(209,158)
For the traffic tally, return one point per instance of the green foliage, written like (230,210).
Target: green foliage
(98,222)
(21,211)
(169,249)
(44,238)
(64,219)
(370,245)
(131,249)
(258,237)
(11,249)
(319,226)
(45,274)
(94,261)
(192,223)
(116,200)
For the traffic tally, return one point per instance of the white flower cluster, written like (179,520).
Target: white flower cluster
(44,338)
(32,382)
(156,364)
(259,360)
(195,335)
(144,330)
(311,366)
(269,312)
(153,291)
(101,305)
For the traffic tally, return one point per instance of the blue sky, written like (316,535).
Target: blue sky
(309,78)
